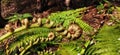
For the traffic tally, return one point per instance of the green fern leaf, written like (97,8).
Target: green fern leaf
(107,41)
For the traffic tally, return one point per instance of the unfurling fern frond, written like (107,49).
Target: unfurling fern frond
(108,42)
(60,17)
(58,27)
(66,18)
(28,35)
(23,38)
(87,28)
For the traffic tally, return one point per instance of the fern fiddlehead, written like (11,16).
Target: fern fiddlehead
(56,28)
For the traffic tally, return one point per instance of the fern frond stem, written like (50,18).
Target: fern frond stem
(17,30)
(26,48)
(34,25)
(5,36)
(59,28)
(86,45)
(10,33)
(49,25)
